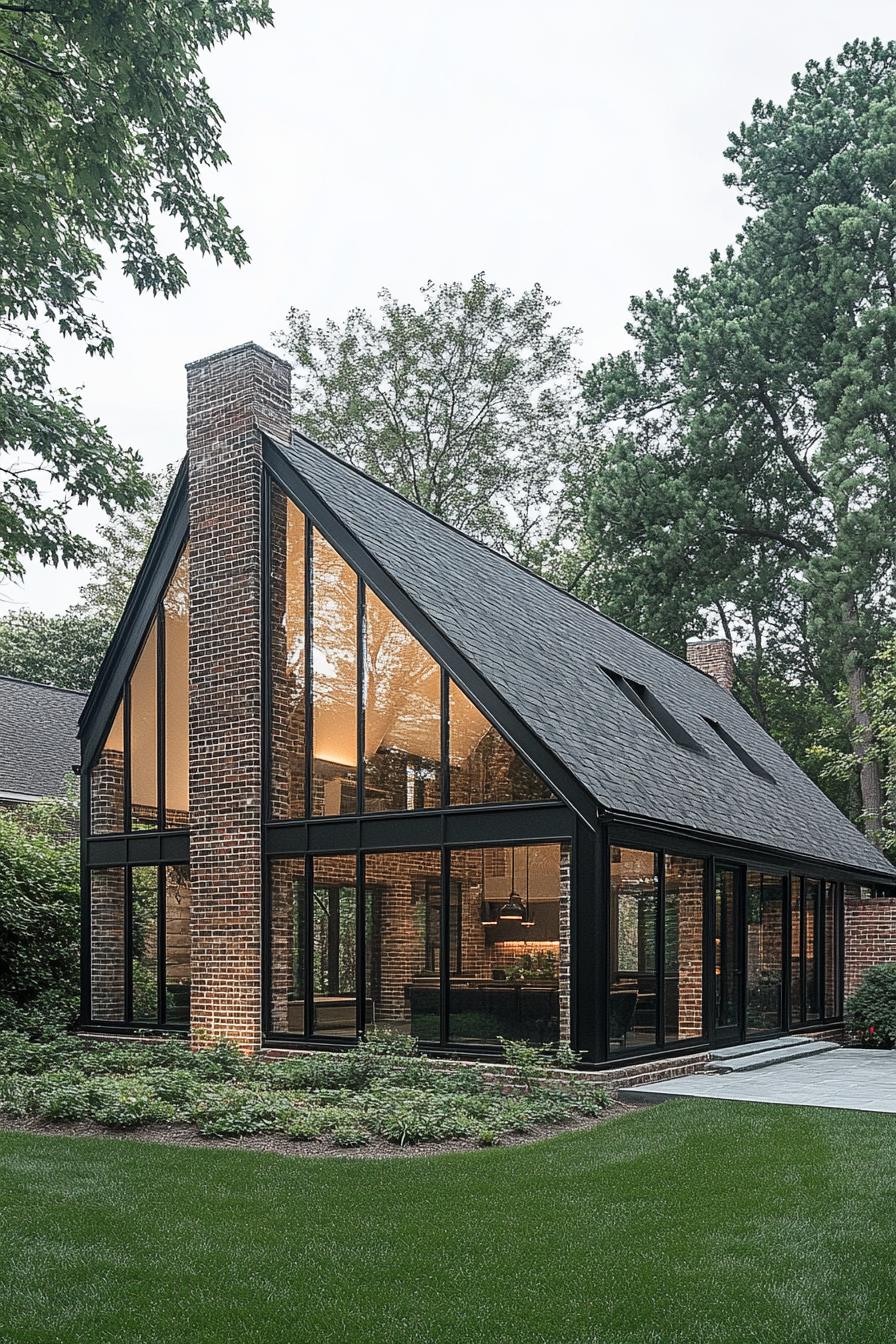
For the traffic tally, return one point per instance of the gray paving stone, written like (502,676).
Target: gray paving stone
(842,1079)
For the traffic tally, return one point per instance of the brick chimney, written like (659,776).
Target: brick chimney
(715,657)
(231,396)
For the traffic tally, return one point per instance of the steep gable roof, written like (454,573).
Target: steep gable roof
(38,738)
(548,656)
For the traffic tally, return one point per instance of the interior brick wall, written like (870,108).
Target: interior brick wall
(687,874)
(869,933)
(231,396)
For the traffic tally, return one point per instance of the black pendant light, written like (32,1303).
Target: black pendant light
(513,908)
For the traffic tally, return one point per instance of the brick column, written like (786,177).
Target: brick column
(231,396)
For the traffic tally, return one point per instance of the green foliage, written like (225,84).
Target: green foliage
(59,650)
(39,917)
(106,123)
(465,403)
(871,1010)
(392,1092)
(832,755)
(742,469)
(66,650)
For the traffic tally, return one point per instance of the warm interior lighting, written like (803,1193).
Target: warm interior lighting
(513,907)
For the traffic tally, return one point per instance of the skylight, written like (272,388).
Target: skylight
(652,709)
(741,752)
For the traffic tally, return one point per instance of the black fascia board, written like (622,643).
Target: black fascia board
(627,829)
(518,733)
(158,564)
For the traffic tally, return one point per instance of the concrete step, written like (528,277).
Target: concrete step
(758,1047)
(765,1059)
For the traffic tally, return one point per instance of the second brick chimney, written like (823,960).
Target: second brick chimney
(715,657)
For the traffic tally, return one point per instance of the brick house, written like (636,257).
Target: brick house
(345,767)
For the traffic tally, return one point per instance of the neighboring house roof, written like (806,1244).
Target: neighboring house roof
(38,739)
(545,652)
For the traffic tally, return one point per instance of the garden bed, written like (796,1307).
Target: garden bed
(378,1100)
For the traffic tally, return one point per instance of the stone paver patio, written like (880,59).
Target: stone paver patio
(845,1079)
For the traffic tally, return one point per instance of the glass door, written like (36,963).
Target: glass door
(728,921)
(806,944)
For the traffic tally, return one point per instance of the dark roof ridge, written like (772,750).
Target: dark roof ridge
(45,685)
(549,583)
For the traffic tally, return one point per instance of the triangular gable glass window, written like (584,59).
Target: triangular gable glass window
(484,768)
(343,663)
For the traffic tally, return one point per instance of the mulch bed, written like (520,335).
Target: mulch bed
(186,1136)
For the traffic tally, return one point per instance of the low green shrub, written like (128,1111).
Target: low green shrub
(124,1104)
(347,1135)
(385,1090)
(871,1010)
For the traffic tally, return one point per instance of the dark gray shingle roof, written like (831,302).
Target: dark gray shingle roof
(38,738)
(543,652)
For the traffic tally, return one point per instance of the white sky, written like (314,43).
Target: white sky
(576,143)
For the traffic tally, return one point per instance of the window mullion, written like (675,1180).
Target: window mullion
(360,679)
(161,816)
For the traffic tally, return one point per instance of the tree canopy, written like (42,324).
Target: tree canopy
(744,447)
(107,126)
(66,649)
(465,403)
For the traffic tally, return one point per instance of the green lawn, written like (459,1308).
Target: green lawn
(695,1220)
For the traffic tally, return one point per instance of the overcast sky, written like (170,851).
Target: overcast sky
(576,143)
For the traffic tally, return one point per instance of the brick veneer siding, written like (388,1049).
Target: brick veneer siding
(715,657)
(869,934)
(107,944)
(231,397)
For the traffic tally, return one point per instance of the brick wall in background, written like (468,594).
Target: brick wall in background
(869,933)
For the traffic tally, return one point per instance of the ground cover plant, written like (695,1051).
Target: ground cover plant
(694,1222)
(383,1091)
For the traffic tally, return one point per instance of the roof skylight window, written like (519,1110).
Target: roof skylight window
(741,752)
(652,709)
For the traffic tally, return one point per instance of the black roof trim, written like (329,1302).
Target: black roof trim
(542,651)
(634,829)
(161,557)
(302,437)
(469,678)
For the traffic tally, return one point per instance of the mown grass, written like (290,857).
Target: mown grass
(694,1221)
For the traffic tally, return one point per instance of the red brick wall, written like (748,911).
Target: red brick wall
(231,396)
(107,944)
(869,933)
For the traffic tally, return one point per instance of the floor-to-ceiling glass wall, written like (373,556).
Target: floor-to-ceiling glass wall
(456,943)
(656,927)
